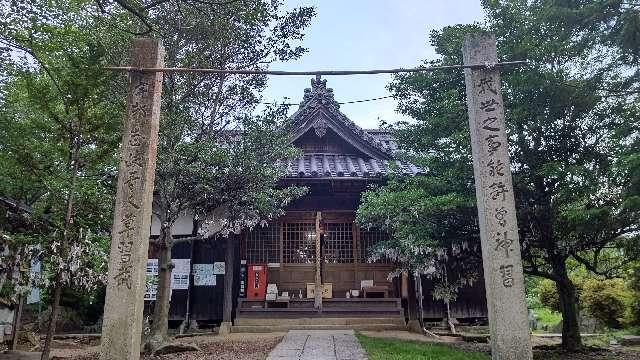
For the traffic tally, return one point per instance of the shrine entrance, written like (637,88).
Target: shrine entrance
(288,248)
(367,158)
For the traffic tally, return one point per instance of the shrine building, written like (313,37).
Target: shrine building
(276,265)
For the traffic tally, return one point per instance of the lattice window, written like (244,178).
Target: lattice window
(368,240)
(263,244)
(299,243)
(338,243)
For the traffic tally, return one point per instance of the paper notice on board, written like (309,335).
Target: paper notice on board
(151,288)
(179,281)
(203,275)
(218,268)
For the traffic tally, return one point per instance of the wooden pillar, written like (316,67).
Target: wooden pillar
(504,280)
(356,255)
(413,322)
(229,266)
(318,288)
(122,325)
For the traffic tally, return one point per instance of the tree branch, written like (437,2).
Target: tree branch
(593,267)
(135,12)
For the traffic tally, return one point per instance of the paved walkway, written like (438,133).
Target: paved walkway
(318,345)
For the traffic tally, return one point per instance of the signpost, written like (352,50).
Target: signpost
(122,324)
(504,280)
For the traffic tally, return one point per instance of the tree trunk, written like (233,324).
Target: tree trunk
(412,302)
(571,339)
(160,326)
(51,329)
(227,311)
(68,221)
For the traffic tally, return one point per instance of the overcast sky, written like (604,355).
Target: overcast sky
(367,34)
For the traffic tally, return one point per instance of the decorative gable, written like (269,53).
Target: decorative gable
(334,146)
(319,112)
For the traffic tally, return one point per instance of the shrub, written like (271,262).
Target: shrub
(548,294)
(607,300)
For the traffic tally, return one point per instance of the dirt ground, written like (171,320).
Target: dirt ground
(257,347)
(224,347)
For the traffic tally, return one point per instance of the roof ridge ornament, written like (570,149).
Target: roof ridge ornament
(320,93)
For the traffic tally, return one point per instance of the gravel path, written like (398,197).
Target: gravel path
(318,345)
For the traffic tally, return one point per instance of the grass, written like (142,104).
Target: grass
(608,335)
(391,349)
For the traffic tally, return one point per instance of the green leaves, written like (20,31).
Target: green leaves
(571,119)
(214,153)
(60,115)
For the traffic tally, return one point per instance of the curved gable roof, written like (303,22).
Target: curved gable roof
(319,110)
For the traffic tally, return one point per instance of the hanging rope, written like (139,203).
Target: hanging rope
(316,73)
(340,103)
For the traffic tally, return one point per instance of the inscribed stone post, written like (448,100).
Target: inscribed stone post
(504,281)
(122,324)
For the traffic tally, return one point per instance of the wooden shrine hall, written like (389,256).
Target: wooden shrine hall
(277,266)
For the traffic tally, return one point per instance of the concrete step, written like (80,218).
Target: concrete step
(245,321)
(283,328)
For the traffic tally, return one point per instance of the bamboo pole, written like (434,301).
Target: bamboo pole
(317,72)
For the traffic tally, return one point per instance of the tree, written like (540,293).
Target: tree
(424,248)
(66,45)
(213,157)
(573,142)
(60,134)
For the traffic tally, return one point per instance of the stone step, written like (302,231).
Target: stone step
(319,321)
(284,328)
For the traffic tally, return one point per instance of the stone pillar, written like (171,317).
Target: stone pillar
(504,281)
(122,324)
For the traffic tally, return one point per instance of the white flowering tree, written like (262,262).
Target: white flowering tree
(16,253)
(231,182)
(422,243)
(60,114)
(213,156)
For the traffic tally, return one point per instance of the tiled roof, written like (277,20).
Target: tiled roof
(346,166)
(384,137)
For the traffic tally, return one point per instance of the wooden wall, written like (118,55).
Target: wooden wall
(206,302)
(471,302)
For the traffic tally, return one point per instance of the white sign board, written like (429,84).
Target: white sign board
(218,268)
(34,295)
(181,265)
(180,274)
(203,275)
